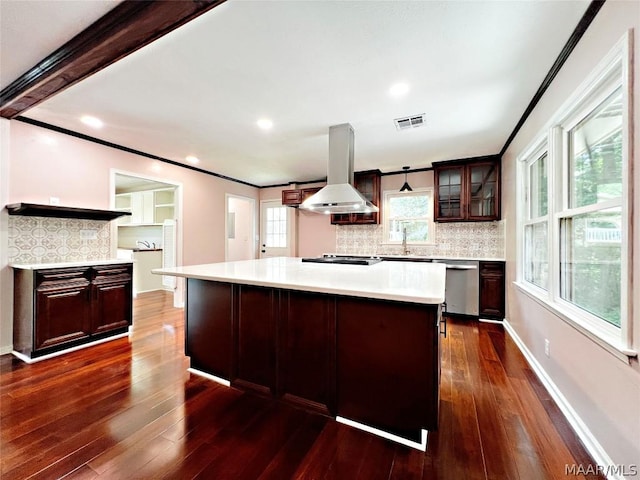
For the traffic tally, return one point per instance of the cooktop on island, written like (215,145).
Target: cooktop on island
(343,260)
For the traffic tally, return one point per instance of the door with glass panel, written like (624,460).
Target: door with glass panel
(275,229)
(483,191)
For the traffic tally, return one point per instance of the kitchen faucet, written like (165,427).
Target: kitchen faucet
(145,243)
(404,242)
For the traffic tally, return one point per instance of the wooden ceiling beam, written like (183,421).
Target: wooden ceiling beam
(131,25)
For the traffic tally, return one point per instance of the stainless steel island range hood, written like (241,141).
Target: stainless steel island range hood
(339,195)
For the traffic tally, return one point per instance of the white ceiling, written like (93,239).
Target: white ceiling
(472,68)
(31,30)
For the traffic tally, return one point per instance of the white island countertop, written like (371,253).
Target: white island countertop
(416,282)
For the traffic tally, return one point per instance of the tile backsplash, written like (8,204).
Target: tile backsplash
(459,239)
(54,240)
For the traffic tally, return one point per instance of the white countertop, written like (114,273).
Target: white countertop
(417,257)
(84,263)
(416,282)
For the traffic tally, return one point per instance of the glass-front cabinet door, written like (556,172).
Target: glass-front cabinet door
(467,190)
(449,187)
(483,187)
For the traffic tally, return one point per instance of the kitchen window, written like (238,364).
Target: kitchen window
(411,212)
(574,209)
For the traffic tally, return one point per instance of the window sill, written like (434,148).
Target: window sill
(612,345)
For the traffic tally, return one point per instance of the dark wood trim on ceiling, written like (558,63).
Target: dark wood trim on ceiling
(82,136)
(320,180)
(460,161)
(584,23)
(402,172)
(131,25)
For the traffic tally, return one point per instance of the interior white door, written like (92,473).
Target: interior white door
(275,229)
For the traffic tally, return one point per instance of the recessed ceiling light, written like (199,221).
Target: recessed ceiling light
(192,159)
(398,89)
(93,122)
(264,123)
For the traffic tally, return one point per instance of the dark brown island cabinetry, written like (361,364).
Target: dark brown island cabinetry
(467,190)
(254,328)
(58,308)
(492,290)
(307,339)
(373,361)
(369,185)
(388,365)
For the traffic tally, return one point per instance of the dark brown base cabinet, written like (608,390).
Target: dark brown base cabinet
(492,290)
(376,362)
(59,308)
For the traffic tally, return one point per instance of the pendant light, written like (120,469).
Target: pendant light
(406,187)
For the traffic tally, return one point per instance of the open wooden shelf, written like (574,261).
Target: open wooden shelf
(37,210)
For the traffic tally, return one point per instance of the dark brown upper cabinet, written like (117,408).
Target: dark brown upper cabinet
(368,184)
(467,190)
(294,197)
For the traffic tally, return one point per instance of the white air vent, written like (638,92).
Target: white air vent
(413,121)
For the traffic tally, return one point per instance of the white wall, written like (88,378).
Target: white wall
(602,389)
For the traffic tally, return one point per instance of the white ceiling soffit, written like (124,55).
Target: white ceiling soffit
(472,68)
(31,30)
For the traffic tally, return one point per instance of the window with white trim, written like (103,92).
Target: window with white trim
(410,214)
(590,223)
(574,208)
(536,223)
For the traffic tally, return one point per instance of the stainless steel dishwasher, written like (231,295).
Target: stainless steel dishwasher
(462,287)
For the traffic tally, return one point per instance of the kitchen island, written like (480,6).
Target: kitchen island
(356,342)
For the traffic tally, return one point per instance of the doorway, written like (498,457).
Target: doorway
(240,229)
(151,235)
(276,229)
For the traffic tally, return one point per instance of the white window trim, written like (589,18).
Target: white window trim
(601,83)
(431,225)
(539,146)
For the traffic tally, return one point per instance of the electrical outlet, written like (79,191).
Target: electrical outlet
(546,347)
(54,201)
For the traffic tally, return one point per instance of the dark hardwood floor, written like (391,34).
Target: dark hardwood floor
(129,409)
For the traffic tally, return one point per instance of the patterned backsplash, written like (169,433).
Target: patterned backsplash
(460,239)
(53,240)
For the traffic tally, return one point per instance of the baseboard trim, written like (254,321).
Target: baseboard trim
(30,360)
(490,320)
(422,446)
(590,442)
(219,380)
